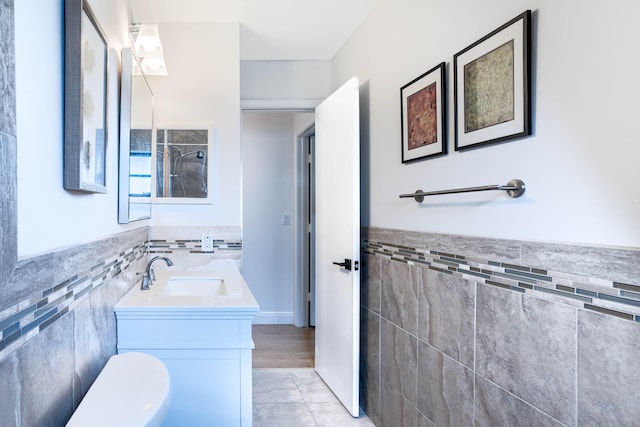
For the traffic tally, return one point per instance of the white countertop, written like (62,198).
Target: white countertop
(238,296)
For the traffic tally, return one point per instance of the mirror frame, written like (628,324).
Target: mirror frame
(124,150)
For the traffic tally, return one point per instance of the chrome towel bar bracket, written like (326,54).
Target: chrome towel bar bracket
(514,188)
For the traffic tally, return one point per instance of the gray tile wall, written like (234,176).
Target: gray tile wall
(8,206)
(47,369)
(608,371)
(8,142)
(7,69)
(489,350)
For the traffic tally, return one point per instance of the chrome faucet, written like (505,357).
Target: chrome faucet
(149,276)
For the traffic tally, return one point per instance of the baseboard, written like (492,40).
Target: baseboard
(273,318)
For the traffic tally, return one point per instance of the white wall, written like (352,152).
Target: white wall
(582,164)
(268,83)
(203,88)
(48,216)
(268,193)
(270,163)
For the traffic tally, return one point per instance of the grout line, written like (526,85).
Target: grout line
(535,408)
(575,409)
(475,349)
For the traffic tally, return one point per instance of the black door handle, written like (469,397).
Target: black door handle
(346,264)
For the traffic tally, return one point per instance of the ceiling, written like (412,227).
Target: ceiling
(269,29)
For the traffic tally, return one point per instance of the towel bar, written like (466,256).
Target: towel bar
(514,188)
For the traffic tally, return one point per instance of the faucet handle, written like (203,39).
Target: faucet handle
(152,274)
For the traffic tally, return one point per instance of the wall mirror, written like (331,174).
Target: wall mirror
(183,164)
(136,142)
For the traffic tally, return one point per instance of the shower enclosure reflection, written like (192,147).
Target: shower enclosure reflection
(182,159)
(140,167)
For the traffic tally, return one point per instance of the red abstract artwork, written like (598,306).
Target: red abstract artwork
(422,114)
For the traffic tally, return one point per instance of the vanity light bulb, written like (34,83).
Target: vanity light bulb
(153,63)
(148,40)
(148,43)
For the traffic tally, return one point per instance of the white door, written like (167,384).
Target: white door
(338,241)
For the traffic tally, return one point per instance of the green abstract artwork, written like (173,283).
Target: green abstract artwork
(489,89)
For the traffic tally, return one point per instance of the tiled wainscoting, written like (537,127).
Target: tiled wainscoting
(183,245)
(26,318)
(57,327)
(463,331)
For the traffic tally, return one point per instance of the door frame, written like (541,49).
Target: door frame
(300,314)
(304,255)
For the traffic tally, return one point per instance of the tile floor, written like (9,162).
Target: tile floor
(298,398)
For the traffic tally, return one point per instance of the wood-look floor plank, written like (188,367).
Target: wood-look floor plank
(283,346)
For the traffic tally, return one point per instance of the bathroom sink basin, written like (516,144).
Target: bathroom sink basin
(195,287)
(214,291)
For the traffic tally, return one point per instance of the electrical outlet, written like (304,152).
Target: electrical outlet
(207,242)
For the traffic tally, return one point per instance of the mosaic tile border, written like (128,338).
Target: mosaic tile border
(604,296)
(22,321)
(194,246)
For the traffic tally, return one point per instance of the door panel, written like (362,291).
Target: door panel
(337,162)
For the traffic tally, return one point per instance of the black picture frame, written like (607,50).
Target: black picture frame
(423,105)
(86,61)
(492,86)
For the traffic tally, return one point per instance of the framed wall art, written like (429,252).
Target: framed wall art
(492,86)
(85,100)
(423,106)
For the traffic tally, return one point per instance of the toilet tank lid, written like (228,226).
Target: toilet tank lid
(132,389)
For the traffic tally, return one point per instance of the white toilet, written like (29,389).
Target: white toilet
(133,390)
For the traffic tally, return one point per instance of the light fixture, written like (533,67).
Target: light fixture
(148,39)
(149,49)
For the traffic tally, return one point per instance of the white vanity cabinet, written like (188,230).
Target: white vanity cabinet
(206,345)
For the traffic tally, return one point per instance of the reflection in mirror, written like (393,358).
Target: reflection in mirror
(182,165)
(136,124)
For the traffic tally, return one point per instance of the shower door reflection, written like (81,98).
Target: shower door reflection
(182,163)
